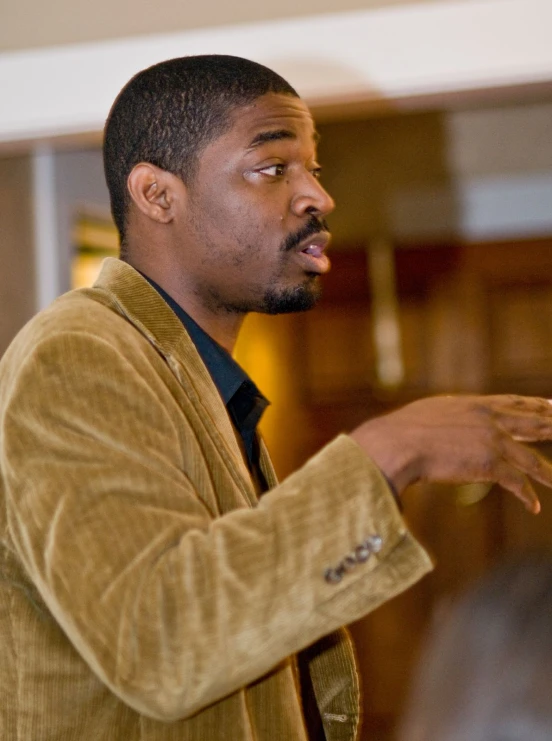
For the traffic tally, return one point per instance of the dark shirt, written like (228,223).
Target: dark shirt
(243,400)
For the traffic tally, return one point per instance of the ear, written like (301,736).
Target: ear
(154,191)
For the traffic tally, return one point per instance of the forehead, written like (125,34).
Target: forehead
(272,116)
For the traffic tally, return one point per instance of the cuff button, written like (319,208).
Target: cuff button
(333,576)
(374,543)
(362,553)
(349,562)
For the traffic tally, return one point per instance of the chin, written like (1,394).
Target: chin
(287,301)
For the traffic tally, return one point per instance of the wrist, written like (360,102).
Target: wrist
(391,451)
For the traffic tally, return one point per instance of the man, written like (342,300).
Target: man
(157,582)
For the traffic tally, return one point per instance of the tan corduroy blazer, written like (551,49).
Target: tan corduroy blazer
(145,593)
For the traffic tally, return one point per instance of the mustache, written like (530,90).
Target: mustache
(312,227)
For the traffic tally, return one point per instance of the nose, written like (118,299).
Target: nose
(312,198)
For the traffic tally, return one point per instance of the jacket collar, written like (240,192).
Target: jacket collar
(127,292)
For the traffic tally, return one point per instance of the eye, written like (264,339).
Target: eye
(273,170)
(316,172)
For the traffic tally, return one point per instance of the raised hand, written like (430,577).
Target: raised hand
(463,439)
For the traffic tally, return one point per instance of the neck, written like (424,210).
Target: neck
(222,326)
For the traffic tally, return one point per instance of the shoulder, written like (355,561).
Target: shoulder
(75,316)
(78,334)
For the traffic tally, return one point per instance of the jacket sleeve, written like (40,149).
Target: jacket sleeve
(172,607)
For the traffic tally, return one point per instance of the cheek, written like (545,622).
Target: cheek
(244,228)
(254,233)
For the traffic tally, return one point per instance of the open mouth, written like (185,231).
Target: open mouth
(317,250)
(313,249)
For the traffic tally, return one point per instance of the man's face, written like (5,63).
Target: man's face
(253,234)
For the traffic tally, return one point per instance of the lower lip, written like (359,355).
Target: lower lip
(314,264)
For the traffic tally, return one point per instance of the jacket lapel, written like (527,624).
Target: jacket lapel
(124,290)
(266,465)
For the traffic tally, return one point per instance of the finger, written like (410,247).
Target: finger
(515,403)
(525,427)
(531,438)
(529,461)
(516,482)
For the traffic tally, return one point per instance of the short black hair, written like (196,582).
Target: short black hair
(168,113)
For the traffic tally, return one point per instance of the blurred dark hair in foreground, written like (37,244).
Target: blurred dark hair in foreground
(486,672)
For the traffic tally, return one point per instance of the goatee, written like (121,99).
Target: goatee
(289,300)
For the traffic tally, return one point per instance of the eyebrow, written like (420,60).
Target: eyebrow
(276,135)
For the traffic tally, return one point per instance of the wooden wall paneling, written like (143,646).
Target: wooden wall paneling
(521,337)
(457,353)
(511,262)
(517,282)
(338,352)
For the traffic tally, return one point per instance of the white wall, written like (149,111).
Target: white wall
(502,161)
(384,57)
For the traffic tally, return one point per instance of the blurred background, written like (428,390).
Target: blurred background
(436,123)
